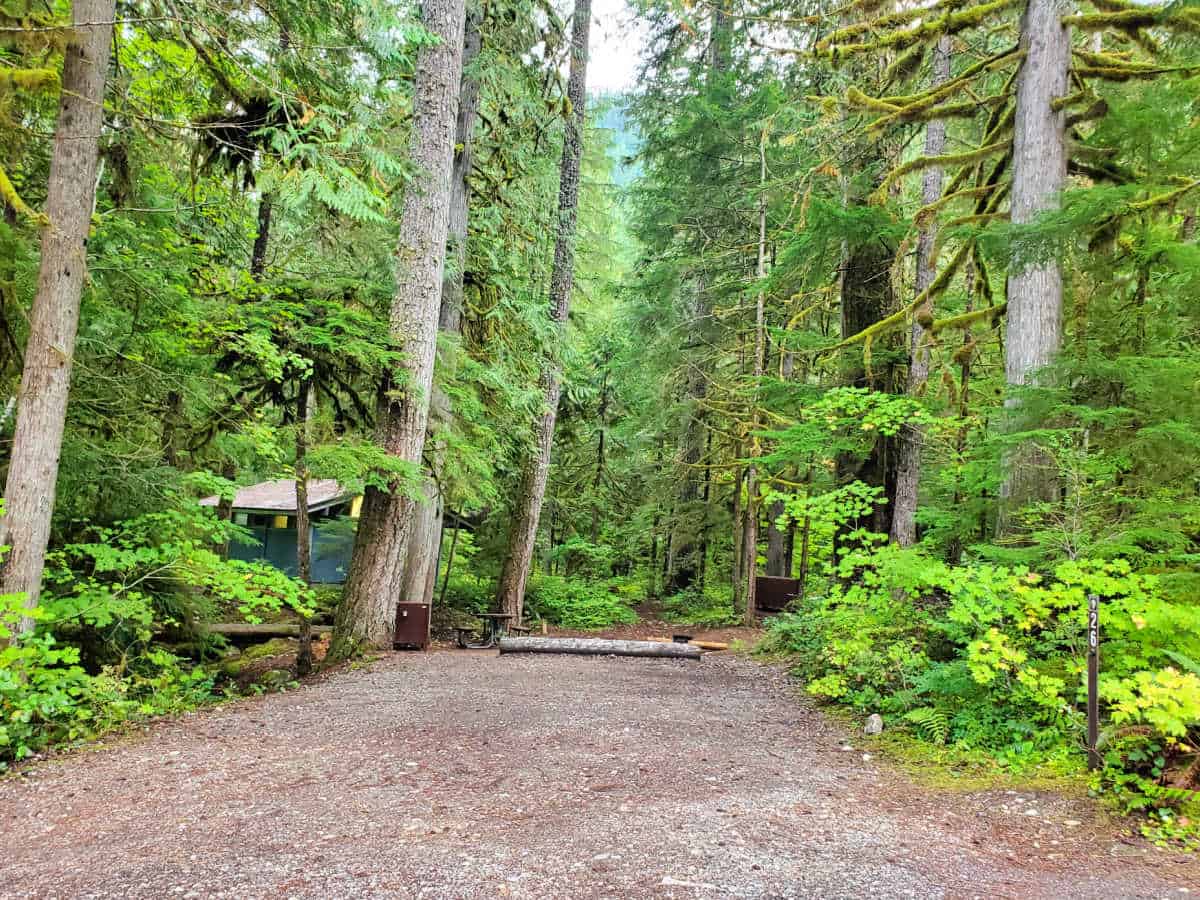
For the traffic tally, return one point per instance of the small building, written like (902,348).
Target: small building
(268,511)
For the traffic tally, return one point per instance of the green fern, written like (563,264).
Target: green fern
(1186,662)
(931,722)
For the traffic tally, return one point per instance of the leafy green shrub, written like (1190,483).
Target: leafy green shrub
(91,662)
(709,608)
(469,593)
(582,557)
(578,605)
(46,697)
(993,659)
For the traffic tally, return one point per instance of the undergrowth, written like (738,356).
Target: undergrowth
(97,656)
(711,607)
(581,605)
(986,665)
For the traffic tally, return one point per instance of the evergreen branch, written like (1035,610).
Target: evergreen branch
(10,196)
(946,160)
(28,79)
(925,212)
(1162,199)
(1131,20)
(1001,120)
(1127,72)
(966,320)
(964,109)
(898,318)
(890,20)
(951,23)
(951,87)
(1097,110)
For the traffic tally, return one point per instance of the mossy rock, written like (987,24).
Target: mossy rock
(279,646)
(236,662)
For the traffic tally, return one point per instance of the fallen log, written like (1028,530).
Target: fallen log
(265,629)
(598,647)
(703,645)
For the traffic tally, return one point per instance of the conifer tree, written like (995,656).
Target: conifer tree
(908,474)
(367,612)
(527,506)
(54,321)
(420,569)
(1035,289)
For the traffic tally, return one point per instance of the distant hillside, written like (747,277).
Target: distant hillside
(626,142)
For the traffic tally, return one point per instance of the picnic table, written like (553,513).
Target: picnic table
(495,626)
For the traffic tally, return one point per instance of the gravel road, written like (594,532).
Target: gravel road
(455,775)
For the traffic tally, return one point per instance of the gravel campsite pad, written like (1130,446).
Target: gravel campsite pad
(455,774)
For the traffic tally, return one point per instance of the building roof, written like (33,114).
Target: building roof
(280,496)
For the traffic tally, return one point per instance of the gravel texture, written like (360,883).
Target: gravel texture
(455,775)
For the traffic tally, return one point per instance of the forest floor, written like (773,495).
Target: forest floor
(455,774)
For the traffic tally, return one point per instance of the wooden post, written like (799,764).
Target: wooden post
(1093,709)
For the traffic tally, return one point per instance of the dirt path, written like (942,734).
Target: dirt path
(469,775)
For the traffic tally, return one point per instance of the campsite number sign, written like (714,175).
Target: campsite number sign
(1093,677)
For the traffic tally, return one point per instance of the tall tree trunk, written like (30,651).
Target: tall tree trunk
(955,548)
(739,534)
(54,319)
(511,589)
(366,614)
(866,297)
(262,239)
(420,569)
(702,570)
(749,567)
(685,559)
(1034,315)
(781,542)
(304,660)
(684,552)
(912,438)
(777,553)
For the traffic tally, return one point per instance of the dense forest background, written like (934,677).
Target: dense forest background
(897,300)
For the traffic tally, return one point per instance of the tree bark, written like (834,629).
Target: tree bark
(420,569)
(366,614)
(912,438)
(866,297)
(777,551)
(54,319)
(258,253)
(1034,315)
(749,567)
(511,589)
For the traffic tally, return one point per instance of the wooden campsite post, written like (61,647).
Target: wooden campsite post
(1093,702)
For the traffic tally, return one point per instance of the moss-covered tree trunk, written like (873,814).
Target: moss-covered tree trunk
(912,438)
(366,615)
(527,508)
(54,319)
(1034,318)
